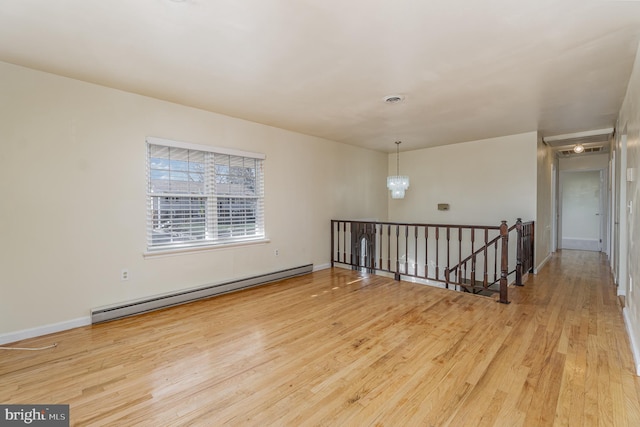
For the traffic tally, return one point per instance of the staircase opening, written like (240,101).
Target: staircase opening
(472,258)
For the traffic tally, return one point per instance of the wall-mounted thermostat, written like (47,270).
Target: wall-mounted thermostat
(443,206)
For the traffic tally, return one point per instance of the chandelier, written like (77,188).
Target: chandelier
(397,183)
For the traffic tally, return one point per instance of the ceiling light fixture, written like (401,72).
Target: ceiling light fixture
(578,149)
(397,183)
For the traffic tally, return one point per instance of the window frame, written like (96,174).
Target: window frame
(211,195)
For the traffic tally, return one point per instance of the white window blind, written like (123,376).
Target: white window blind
(200,197)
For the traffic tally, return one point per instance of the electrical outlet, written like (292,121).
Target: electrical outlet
(124,274)
(277,252)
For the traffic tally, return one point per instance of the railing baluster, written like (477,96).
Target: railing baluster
(531,230)
(485,282)
(397,272)
(473,270)
(389,247)
(464,273)
(353,256)
(495,262)
(406,249)
(532,235)
(448,246)
(344,240)
(371,257)
(380,265)
(333,243)
(459,245)
(473,262)
(415,254)
(473,239)
(426,252)
(438,253)
(526,250)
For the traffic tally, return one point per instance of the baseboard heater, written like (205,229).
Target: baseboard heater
(104,314)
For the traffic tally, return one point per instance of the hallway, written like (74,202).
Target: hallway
(587,373)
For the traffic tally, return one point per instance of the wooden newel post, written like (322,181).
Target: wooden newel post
(519,250)
(504,263)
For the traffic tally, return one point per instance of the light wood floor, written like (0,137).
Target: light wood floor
(336,348)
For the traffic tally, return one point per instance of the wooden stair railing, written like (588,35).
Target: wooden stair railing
(428,251)
(460,271)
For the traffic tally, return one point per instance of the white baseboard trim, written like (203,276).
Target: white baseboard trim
(44,330)
(321,267)
(544,261)
(581,244)
(635,350)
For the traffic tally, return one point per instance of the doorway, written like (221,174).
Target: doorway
(581,225)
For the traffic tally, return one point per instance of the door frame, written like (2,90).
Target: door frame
(602,206)
(620,219)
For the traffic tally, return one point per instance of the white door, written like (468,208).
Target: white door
(581,222)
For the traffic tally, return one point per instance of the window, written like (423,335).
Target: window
(200,196)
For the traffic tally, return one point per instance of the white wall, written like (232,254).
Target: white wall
(483,181)
(588,162)
(629,119)
(544,203)
(72,194)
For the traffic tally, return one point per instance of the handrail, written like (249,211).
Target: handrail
(517,270)
(489,227)
(427,252)
(522,264)
(467,259)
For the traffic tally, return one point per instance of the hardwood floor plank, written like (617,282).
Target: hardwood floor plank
(338,347)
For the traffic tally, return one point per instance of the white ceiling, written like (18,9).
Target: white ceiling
(468,69)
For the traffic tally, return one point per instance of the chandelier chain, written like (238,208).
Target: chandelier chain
(398,157)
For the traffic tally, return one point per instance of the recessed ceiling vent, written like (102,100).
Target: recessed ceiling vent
(580,143)
(567,153)
(393,99)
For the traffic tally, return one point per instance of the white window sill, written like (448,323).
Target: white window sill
(204,248)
